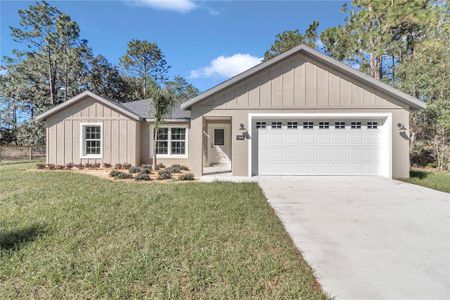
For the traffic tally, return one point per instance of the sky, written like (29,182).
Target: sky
(204,41)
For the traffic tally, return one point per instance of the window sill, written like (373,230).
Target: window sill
(171,156)
(91,156)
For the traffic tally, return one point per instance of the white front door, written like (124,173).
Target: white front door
(219,144)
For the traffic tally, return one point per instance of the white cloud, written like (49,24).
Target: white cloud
(227,66)
(182,6)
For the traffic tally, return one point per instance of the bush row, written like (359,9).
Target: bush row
(142,176)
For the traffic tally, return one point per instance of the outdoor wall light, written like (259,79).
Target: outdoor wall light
(401,126)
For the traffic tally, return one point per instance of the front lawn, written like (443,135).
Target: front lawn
(436,180)
(66,235)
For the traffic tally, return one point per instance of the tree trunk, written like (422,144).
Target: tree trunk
(154,163)
(50,77)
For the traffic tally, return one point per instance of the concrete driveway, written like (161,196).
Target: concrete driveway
(367,237)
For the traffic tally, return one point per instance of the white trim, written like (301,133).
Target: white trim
(82,150)
(150,150)
(114,105)
(314,54)
(386,130)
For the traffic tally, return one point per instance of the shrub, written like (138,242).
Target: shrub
(135,169)
(69,166)
(147,169)
(186,176)
(184,168)
(93,166)
(51,166)
(123,175)
(89,166)
(126,166)
(174,169)
(40,166)
(142,176)
(107,165)
(59,167)
(79,166)
(114,173)
(118,166)
(160,166)
(164,174)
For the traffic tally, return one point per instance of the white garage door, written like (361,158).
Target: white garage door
(319,147)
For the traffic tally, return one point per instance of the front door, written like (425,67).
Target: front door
(219,144)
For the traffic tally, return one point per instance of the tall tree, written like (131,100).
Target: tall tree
(290,38)
(144,60)
(161,104)
(181,89)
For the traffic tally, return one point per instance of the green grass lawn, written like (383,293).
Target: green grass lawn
(436,180)
(65,235)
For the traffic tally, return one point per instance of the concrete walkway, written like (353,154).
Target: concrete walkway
(367,237)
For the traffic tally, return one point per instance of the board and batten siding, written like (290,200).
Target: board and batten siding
(120,134)
(298,82)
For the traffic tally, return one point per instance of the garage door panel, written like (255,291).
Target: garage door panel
(324,151)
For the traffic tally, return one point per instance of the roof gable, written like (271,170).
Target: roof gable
(117,106)
(324,59)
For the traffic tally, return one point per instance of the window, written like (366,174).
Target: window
(260,124)
(292,125)
(356,125)
(171,141)
(372,125)
(339,125)
(91,141)
(219,137)
(324,125)
(276,125)
(308,125)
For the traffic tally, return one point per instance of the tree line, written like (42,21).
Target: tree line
(56,64)
(404,43)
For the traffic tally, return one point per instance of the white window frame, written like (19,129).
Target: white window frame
(83,140)
(169,141)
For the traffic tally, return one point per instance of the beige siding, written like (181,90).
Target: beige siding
(119,136)
(296,85)
(298,82)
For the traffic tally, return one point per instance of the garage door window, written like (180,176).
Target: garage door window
(372,125)
(324,125)
(260,124)
(339,125)
(292,125)
(356,125)
(276,125)
(308,125)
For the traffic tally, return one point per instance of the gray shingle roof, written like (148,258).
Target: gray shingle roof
(142,109)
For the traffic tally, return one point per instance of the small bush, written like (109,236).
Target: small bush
(174,169)
(107,165)
(135,169)
(123,175)
(142,176)
(118,166)
(93,166)
(186,176)
(79,166)
(69,166)
(164,174)
(160,166)
(40,166)
(114,173)
(184,168)
(147,169)
(126,166)
(59,167)
(51,166)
